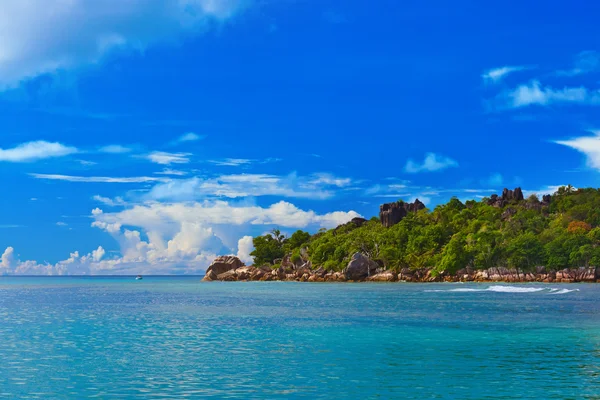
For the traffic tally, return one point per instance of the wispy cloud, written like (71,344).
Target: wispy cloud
(495,75)
(431,163)
(534,93)
(585,62)
(117,201)
(25,56)
(550,189)
(33,151)
(188,137)
(164,158)
(239,162)
(231,162)
(115,149)
(169,171)
(99,179)
(588,145)
(318,186)
(329,179)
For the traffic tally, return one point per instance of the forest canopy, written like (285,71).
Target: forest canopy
(559,231)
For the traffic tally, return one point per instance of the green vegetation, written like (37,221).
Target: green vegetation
(563,233)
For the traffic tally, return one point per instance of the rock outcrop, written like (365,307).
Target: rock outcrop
(392,213)
(221,265)
(360,267)
(508,197)
(356,222)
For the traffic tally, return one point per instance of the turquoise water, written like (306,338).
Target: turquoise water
(176,338)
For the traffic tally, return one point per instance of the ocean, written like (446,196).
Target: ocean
(175,337)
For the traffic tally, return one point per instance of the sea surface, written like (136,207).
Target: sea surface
(175,337)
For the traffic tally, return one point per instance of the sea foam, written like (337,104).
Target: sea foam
(510,289)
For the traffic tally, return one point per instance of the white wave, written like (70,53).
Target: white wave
(510,289)
(564,291)
(514,289)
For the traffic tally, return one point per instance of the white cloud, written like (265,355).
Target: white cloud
(33,151)
(60,223)
(238,162)
(495,75)
(189,137)
(117,201)
(98,254)
(245,247)
(99,179)
(588,145)
(45,36)
(8,259)
(329,179)
(536,94)
(178,237)
(164,158)
(169,171)
(231,162)
(550,189)
(431,163)
(241,185)
(115,149)
(86,163)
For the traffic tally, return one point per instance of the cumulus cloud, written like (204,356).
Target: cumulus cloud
(164,158)
(37,150)
(8,259)
(245,247)
(182,238)
(74,265)
(495,75)
(45,36)
(431,163)
(588,145)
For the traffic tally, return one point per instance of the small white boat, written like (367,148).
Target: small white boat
(138,278)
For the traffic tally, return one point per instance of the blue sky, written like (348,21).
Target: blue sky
(152,136)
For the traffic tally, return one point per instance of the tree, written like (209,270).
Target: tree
(455,255)
(267,249)
(525,252)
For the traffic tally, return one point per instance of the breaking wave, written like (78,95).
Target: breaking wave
(510,289)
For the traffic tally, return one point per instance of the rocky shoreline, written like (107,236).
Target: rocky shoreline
(362,269)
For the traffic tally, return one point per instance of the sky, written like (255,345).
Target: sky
(148,137)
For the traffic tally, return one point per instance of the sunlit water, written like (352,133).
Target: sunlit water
(176,338)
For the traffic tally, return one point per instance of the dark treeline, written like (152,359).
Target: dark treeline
(559,231)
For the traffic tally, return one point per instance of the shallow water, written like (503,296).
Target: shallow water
(176,337)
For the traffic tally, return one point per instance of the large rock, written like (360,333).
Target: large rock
(353,223)
(221,265)
(385,276)
(508,197)
(392,213)
(360,267)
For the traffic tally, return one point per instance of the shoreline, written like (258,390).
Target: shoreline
(231,269)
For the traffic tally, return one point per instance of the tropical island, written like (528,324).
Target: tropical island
(504,237)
